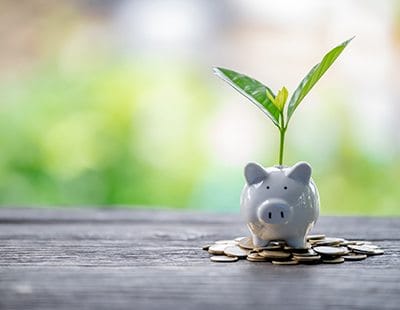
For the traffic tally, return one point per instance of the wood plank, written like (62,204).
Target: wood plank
(124,259)
(372,228)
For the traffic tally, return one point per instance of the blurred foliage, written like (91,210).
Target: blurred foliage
(89,137)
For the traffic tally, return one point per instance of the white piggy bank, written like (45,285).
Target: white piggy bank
(279,203)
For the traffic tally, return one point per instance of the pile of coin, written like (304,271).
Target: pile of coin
(319,249)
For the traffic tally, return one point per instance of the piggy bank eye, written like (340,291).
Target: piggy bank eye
(285,187)
(267,187)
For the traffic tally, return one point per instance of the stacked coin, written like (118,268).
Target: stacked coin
(319,249)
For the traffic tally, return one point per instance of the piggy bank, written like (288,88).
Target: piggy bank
(279,203)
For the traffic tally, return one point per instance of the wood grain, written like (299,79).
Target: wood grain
(141,259)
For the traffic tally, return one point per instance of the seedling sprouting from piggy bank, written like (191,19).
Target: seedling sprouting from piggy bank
(279,203)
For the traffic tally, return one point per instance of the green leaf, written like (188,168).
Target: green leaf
(270,96)
(281,98)
(252,89)
(313,76)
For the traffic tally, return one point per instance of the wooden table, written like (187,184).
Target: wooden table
(138,259)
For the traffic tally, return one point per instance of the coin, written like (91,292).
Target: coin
(366,249)
(246,243)
(327,241)
(269,247)
(354,256)
(319,249)
(337,260)
(223,259)
(378,252)
(217,249)
(371,246)
(285,262)
(309,252)
(289,248)
(366,246)
(274,254)
(362,245)
(330,250)
(306,259)
(255,257)
(315,237)
(236,251)
(352,242)
(301,251)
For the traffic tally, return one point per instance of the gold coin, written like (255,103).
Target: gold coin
(274,254)
(246,243)
(337,260)
(354,256)
(330,250)
(223,259)
(236,251)
(285,262)
(217,249)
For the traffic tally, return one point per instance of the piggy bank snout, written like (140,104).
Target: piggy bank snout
(274,212)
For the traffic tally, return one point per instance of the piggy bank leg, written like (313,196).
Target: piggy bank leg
(258,242)
(297,243)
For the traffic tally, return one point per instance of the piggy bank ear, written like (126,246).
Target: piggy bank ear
(300,172)
(254,173)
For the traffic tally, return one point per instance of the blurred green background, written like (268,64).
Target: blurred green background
(114,103)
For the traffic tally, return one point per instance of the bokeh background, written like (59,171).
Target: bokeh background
(113,103)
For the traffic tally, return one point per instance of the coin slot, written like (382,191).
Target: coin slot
(282,215)
(269,214)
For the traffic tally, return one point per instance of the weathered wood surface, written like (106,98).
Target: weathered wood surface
(137,259)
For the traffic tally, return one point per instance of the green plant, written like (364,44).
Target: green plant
(275,106)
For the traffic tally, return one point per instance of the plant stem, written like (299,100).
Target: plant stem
(282,131)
